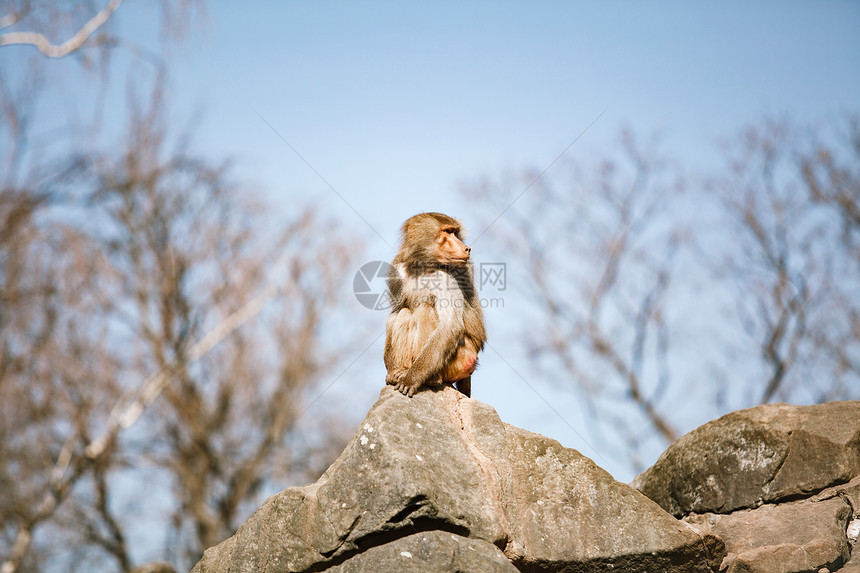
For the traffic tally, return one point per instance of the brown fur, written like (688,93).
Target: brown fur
(436,326)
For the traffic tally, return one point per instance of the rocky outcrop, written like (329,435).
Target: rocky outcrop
(777,483)
(796,536)
(438,483)
(760,455)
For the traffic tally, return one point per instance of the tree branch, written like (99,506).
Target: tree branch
(58,51)
(121,418)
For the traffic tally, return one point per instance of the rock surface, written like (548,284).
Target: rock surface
(438,483)
(791,537)
(430,552)
(154,567)
(852,566)
(762,480)
(760,455)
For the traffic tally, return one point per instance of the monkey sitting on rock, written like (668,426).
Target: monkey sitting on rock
(436,326)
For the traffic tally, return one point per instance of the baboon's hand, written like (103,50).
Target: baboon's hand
(396,375)
(407,387)
(401,380)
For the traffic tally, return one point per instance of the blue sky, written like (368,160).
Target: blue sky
(405,100)
(398,104)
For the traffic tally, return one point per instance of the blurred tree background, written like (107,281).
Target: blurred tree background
(655,293)
(139,281)
(163,330)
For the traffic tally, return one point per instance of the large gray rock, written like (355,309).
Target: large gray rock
(791,537)
(760,455)
(564,510)
(441,462)
(430,552)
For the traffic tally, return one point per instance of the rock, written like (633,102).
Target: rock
(760,455)
(852,566)
(430,552)
(431,474)
(785,558)
(565,509)
(793,537)
(778,484)
(154,567)
(850,492)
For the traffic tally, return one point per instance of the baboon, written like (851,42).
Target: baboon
(436,326)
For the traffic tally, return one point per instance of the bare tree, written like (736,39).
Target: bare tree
(793,260)
(48,387)
(160,331)
(665,309)
(148,255)
(831,173)
(599,247)
(58,30)
(85,33)
(832,177)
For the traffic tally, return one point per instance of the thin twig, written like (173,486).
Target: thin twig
(58,51)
